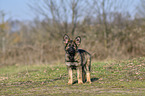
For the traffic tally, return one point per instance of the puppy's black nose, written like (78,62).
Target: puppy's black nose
(71,50)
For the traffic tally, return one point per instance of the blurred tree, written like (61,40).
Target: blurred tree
(65,14)
(105,11)
(141,9)
(2,29)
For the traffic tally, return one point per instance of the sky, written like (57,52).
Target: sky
(16,9)
(19,10)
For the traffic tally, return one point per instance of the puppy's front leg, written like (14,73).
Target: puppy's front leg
(79,74)
(70,76)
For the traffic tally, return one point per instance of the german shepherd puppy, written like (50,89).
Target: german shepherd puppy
(77,59)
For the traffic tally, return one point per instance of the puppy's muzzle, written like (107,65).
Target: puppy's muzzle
(71,50)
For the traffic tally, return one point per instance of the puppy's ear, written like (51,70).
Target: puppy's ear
(78,40)
(66,38)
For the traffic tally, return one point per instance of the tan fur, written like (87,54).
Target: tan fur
(79,75)
(70,76)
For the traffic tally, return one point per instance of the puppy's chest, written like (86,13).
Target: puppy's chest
(73,60)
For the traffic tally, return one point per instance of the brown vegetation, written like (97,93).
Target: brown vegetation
(105,33)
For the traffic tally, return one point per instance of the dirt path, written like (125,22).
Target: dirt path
(61,90)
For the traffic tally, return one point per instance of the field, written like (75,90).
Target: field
(124,78)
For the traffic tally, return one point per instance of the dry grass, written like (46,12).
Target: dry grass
(42,46)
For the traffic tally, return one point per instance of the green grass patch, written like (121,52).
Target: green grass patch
(124,78)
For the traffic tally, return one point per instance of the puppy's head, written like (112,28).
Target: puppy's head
(71,46)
